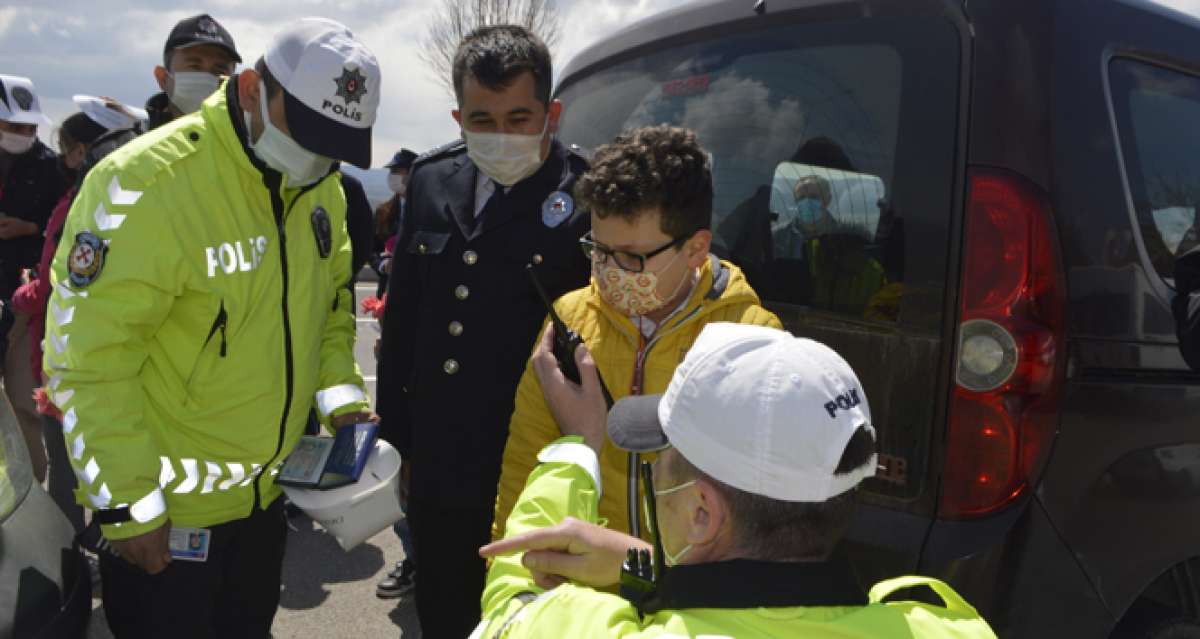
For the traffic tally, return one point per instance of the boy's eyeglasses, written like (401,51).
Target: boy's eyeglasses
(632,262)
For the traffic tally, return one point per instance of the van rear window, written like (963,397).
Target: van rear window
(833,150)
(1158,120)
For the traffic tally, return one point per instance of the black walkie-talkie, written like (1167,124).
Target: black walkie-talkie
(565,339)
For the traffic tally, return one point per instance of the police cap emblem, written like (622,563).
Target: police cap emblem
(352,86)
(557,208)
(86,259)
(323,231)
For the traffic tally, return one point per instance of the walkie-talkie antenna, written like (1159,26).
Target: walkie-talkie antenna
(560,329)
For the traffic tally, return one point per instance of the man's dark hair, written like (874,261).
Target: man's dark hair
(496,55)
(273,86)
(659,167)
(772,530)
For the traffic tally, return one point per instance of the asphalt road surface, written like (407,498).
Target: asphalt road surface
(329,593)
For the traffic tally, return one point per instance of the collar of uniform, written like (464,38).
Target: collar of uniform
(225,120)
(744,583)
(159,109)
(553,175)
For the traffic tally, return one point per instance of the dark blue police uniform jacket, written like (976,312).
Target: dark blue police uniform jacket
(462,315)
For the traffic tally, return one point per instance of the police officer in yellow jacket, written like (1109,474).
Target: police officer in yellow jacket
(200,308)
(762,439)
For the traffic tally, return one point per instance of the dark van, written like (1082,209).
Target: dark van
(979,204)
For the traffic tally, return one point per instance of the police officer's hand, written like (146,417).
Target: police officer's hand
(573,550)
(579,409)
(354,418)
(148,551)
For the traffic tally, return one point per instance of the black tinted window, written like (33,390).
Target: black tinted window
(831,147)
(1158,119)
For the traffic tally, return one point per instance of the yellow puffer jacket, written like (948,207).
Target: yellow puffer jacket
(721,295)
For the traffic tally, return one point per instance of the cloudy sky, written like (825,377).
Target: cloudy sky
(110,47)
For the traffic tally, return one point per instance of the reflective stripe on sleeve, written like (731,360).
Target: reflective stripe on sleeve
(148,507)
(335,397)
(574,453)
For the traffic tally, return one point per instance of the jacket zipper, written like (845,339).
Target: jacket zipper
(281,216)
(219,324)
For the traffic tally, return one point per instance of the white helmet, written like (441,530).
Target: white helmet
(356,512)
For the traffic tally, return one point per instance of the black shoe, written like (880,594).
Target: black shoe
(399,582)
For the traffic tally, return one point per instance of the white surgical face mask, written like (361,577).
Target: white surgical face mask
(280,152)
(397,183)
(507,158)
(14,144)
(191,88)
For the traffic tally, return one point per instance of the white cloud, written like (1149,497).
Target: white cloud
(111,47)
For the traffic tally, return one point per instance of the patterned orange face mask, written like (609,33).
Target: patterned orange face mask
(630,293)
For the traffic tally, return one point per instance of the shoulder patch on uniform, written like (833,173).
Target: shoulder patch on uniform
(87,259)
(323,231)
(557,208)
(445,150)
(145,159)
(582,153)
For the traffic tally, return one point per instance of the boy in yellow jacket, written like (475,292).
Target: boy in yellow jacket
(654,287)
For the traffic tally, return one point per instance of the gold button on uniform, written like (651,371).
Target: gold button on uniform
(537,258)
(451,366)
(456,329)
(461,292)
(422,249)
(470,257)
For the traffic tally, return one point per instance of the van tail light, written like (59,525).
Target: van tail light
(1004,407)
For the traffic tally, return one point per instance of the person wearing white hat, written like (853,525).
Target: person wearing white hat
(200,309)
(96,116)
(30,185)
(762,439)
(78,134)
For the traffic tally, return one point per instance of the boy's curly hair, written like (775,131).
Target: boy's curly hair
(660,167)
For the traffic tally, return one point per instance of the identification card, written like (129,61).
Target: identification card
(189,544)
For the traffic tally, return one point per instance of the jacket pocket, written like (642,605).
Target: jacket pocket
(427,243)
(215,342)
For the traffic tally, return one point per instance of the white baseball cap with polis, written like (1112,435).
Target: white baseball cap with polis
(110,114)
(757,409)
(331,85)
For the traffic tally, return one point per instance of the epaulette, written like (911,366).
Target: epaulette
(446,150)
(581,152)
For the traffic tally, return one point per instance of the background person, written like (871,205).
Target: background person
(30,185)
(198,52)
(388,216)
(77,137)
